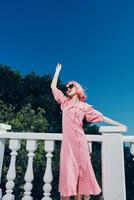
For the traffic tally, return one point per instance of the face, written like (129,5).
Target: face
(71,90)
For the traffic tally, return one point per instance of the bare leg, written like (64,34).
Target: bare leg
(78,197)
(64,198)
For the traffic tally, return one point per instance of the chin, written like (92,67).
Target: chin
(71,95)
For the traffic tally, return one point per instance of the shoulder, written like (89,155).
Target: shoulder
(86,106)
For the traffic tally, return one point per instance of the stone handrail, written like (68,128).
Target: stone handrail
(113,177)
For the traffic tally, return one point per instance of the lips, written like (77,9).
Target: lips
(69,91)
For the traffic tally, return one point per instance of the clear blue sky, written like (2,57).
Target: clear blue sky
(94,40)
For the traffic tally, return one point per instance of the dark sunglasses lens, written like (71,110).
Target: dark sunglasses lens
(70,86)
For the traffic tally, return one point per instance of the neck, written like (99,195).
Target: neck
(75,99)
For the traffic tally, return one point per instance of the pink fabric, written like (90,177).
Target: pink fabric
(75,163)
(92,115)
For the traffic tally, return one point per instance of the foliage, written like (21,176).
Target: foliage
(27,104)
(29,120)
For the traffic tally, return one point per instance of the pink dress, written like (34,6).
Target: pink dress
(76,171)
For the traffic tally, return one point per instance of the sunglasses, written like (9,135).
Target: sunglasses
(70,86)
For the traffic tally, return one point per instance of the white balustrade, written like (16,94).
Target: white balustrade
(90,147)
(2,149)
(113,178)
(3,130)
(113,173)
(31,147)
(132,150)
(14,145)
(48,177)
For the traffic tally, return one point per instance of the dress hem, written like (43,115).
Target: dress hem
(74,194)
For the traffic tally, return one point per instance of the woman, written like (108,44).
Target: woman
(77,176)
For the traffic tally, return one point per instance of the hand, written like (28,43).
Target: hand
(58,67)
(123,125)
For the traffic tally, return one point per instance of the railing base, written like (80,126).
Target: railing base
(8,197)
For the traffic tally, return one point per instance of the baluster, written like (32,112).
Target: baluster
(48,177)
(90,147)
(86,197)
(132,150)
(3,129)
(14,145)
(30,147)
(2,149)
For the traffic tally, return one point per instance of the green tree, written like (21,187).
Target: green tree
(27,104)
(24,120)
(29,120)
(10,85)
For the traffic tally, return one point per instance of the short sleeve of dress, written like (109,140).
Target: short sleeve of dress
(92,115)
(58,95)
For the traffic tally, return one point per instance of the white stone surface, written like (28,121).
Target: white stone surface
(48,177)
(29,176)
(112,160)
(14,145)
(113,175)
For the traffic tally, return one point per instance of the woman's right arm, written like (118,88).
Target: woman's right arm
(58,94)
(56,75)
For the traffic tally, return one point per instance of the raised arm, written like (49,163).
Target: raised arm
(56,75)
(58,94)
